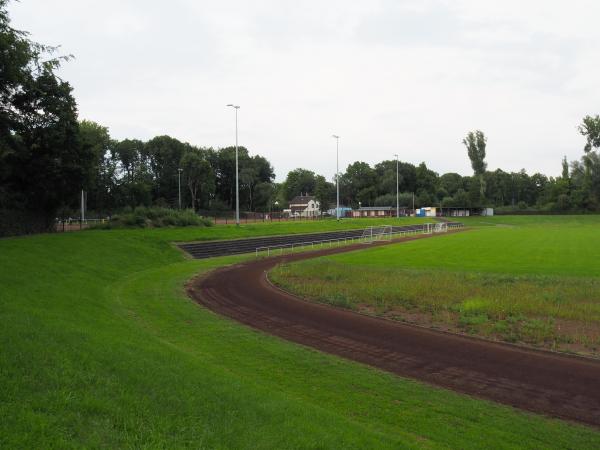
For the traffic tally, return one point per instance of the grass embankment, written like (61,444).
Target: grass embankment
(220,232)
(527,281)
(99,347)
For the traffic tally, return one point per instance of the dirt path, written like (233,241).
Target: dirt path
(543,382)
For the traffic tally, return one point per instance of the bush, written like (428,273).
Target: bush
(156,217)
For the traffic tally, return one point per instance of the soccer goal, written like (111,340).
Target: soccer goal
(374,234)
(439,227)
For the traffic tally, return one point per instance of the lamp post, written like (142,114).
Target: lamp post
(237,184)
(397,193)
(179,185)
(337,174)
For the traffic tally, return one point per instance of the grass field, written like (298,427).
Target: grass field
(100,348)
(219,232)
(527,279)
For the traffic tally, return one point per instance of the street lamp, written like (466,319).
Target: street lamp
(337,174)
(397,194)
(179,186)
(237,184)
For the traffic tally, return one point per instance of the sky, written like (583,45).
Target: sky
(406,77)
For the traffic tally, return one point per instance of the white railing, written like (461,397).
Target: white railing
(426,228)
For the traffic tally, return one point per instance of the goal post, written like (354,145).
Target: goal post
(374,234)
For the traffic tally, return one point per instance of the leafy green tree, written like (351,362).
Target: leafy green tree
(590,129)
(299,181)
(451,182)
(102,182)
(135,181)
(198,176)
(476,143)
(359,184)
(427,183)
(164,154)
(42,162)
(325,193)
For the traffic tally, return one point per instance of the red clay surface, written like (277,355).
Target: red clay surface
(543,382)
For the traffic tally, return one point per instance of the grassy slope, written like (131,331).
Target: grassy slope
(268,229)
(100,348)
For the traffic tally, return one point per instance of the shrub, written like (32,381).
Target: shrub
(156,217)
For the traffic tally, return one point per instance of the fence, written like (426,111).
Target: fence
(426,228)
(76,224)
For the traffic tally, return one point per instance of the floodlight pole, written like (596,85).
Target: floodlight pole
(397,192)
(237,183)
(179,186)
(337,174)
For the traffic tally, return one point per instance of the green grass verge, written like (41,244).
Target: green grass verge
(100,348)
(219,232)
(526,281)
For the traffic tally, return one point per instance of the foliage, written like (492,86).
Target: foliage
(476,143)
(155,217)
(42,160)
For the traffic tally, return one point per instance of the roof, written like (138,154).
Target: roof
(301,200)
(379,208)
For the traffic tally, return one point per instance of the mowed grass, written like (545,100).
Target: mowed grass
(100,348)
(522,281)
(219,232)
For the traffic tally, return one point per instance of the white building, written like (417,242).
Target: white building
(304,206)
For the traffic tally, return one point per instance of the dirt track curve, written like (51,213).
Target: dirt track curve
(543,382)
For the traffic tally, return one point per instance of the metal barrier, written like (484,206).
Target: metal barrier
(337,242)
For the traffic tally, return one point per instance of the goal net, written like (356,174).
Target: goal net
(439,227)
(374,234)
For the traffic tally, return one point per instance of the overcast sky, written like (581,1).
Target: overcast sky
(398,76)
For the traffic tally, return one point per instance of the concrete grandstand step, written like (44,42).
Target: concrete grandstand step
(209,249)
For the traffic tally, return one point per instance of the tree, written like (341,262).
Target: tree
(299,181)
(451,182)
(359,184)
(324,192)
(198,174)
(476,143)
(590,129)
(164,154)
(42,162)
(101,182)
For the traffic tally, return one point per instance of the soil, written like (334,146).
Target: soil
(544,382)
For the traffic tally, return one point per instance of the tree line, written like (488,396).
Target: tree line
(48,156)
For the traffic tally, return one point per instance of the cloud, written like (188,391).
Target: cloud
(407,77)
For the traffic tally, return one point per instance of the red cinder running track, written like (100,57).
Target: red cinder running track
(557,385)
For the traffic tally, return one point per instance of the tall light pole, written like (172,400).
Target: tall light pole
(237,183)
(397,193)
(337,174)
(179,186)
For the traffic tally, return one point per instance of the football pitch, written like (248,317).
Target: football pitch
(531,280)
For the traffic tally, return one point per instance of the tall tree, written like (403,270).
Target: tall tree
(299,181)
(42,162)
(590,129)
(476,143)
(198,175)
(101,182)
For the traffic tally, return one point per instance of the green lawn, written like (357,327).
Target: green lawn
(218,232)
(100,348)
(528,280)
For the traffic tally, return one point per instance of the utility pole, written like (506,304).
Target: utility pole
(397,190)
(237,182)
(179,185)
(337,174)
